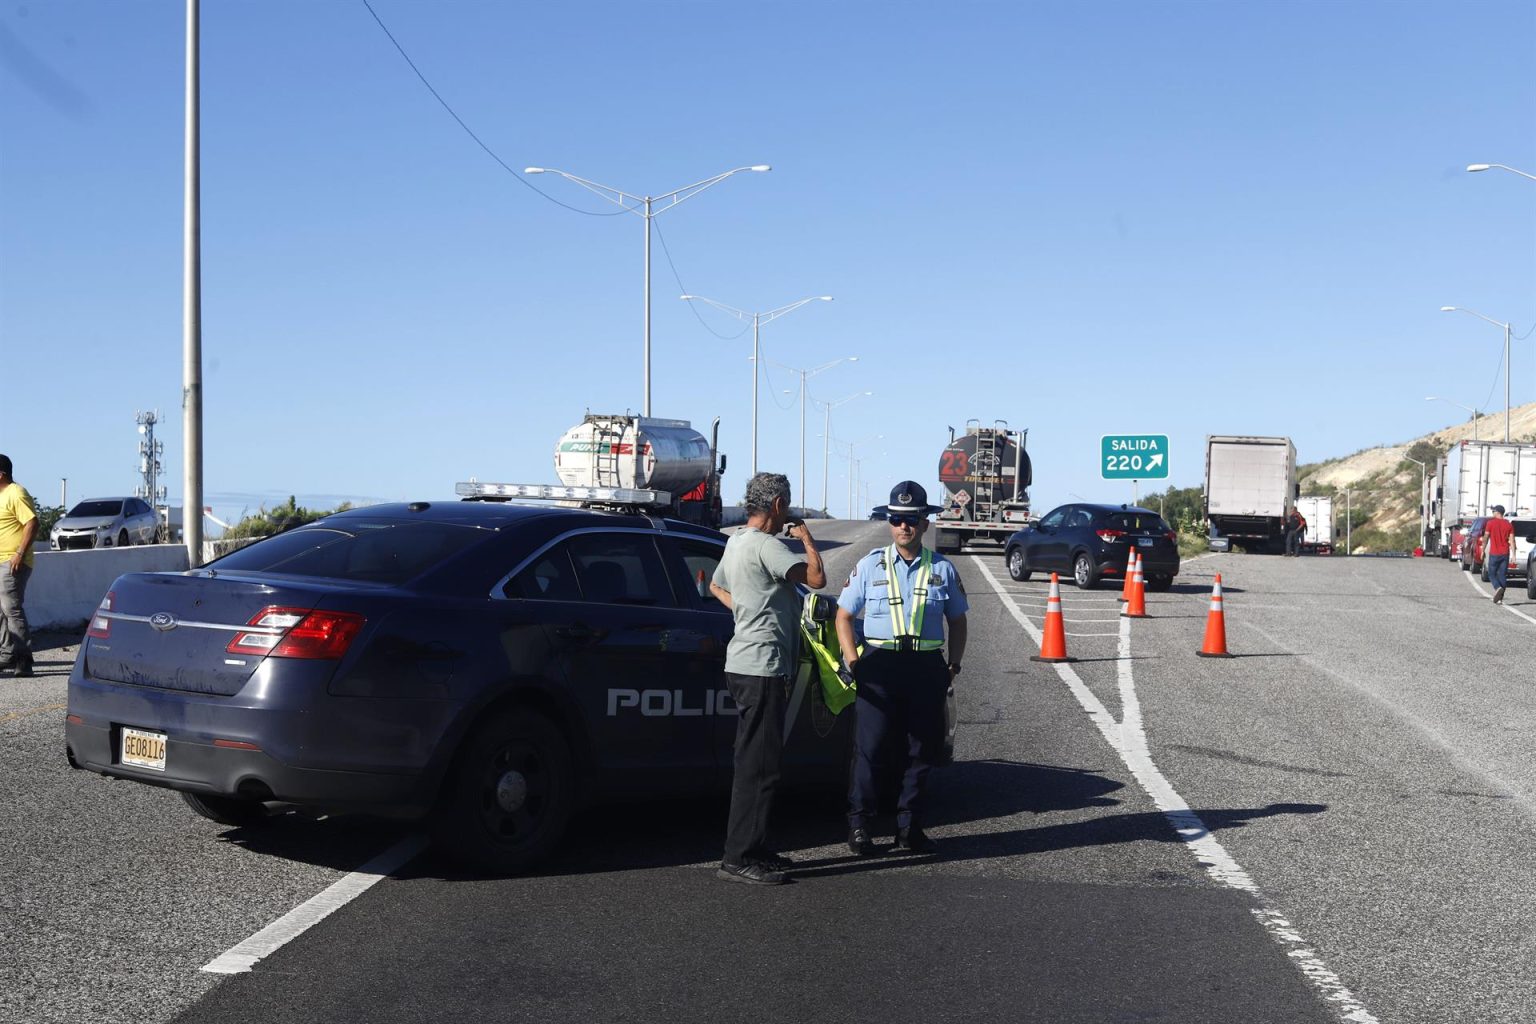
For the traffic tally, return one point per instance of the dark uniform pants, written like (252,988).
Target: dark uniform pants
(759,747)
(900,711)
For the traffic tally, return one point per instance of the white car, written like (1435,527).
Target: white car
(106,523)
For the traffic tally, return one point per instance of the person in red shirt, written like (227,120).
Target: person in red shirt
(1499,534)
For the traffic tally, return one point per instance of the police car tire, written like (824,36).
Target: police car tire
(227,810)
(1018,569)
(1159,583)
(473,828)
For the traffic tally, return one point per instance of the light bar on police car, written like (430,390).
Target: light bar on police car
(620,495)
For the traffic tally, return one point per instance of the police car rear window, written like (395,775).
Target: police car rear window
(373,551)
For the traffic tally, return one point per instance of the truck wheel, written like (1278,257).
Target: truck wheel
(1084,573)
(1017,569)
(944,541)
(227,810)
(510,794)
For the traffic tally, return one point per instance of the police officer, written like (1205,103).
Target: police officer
(907,593)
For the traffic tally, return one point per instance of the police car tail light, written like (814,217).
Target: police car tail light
(1172,536)
(297,633)
(1110,535)
(101,625)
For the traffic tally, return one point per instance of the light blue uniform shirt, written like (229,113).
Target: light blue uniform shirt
(867,588)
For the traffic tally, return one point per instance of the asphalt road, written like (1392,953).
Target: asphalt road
(1333,825)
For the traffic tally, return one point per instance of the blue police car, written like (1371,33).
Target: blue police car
(488,666)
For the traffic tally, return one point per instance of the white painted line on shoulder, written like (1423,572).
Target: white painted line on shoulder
(1472,579)
(242,957)
(1129,740)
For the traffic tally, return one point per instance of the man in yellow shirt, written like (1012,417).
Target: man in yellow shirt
(18,528)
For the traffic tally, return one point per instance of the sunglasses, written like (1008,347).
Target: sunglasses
(903,520)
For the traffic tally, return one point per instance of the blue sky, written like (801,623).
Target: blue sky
(1179,218)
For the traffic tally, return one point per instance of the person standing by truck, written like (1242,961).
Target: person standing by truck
(1295,532)
(1499,533)
(756,580)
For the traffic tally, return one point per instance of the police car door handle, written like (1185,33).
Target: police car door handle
(579,631)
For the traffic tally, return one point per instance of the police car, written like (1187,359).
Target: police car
(489,665)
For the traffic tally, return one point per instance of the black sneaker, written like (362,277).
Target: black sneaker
(914,840)
(750,874)
(774,861)
(859,843)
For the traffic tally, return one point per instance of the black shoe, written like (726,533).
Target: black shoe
(859,843)
(913,840)
(750,874)
(1498,596)
(774,861)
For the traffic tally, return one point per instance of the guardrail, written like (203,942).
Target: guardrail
(66,586)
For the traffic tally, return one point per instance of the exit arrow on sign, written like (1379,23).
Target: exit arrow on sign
(1134,457)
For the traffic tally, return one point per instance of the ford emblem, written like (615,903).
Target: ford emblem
(163,621)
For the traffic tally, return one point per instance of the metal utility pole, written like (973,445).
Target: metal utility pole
(1349,546)
(192,315)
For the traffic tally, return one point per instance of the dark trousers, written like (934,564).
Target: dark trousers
(900,711)
(15,637)
(1498,570)
(759,746)
(1293,540)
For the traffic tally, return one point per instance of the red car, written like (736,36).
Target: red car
(1471,554)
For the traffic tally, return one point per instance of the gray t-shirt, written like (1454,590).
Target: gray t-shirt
(765,604)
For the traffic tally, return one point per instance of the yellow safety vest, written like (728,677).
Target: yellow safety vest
(907,633)
(822,650)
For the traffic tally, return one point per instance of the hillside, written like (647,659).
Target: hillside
(1384,485)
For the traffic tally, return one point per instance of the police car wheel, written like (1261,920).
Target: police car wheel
(1159,583)
(227,810)
(1017,568)
(1084,573)
(510,794)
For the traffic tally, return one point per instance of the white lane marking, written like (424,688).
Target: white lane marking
(1472,579)
(241,957)
(1129,740)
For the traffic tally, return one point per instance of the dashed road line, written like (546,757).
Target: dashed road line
(1129,740)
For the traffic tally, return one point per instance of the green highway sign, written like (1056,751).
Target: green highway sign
(1134,457)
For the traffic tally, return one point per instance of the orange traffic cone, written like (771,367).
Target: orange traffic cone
(1215,645)
(1130,572)
(1053,642)
(1136,607)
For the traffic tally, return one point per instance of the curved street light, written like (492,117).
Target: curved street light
(806,375)
(826,439)
(1474,412)
(643,206)
(1502,167)
(758,319)
(1496,323)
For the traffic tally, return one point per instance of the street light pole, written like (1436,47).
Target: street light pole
(1473,413)
(643,206)
(1502,167)
(758,319)
(826,440)
(1423,501)
(806,375)
(1496,323)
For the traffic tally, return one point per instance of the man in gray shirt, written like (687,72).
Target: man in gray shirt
(756,580)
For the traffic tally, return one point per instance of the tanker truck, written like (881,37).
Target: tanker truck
(986,475)
(630,461)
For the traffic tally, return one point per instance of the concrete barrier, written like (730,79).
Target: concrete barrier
(66,586)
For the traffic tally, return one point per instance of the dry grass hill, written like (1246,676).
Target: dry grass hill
(1384,485)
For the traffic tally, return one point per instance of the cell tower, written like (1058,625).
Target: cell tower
(150,451)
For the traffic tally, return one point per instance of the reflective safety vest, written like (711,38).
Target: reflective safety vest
(907,632)
(818,630)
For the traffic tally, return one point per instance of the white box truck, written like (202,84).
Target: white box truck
(1250,487)
(1437,540)
(1481,474)
(1317,510)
